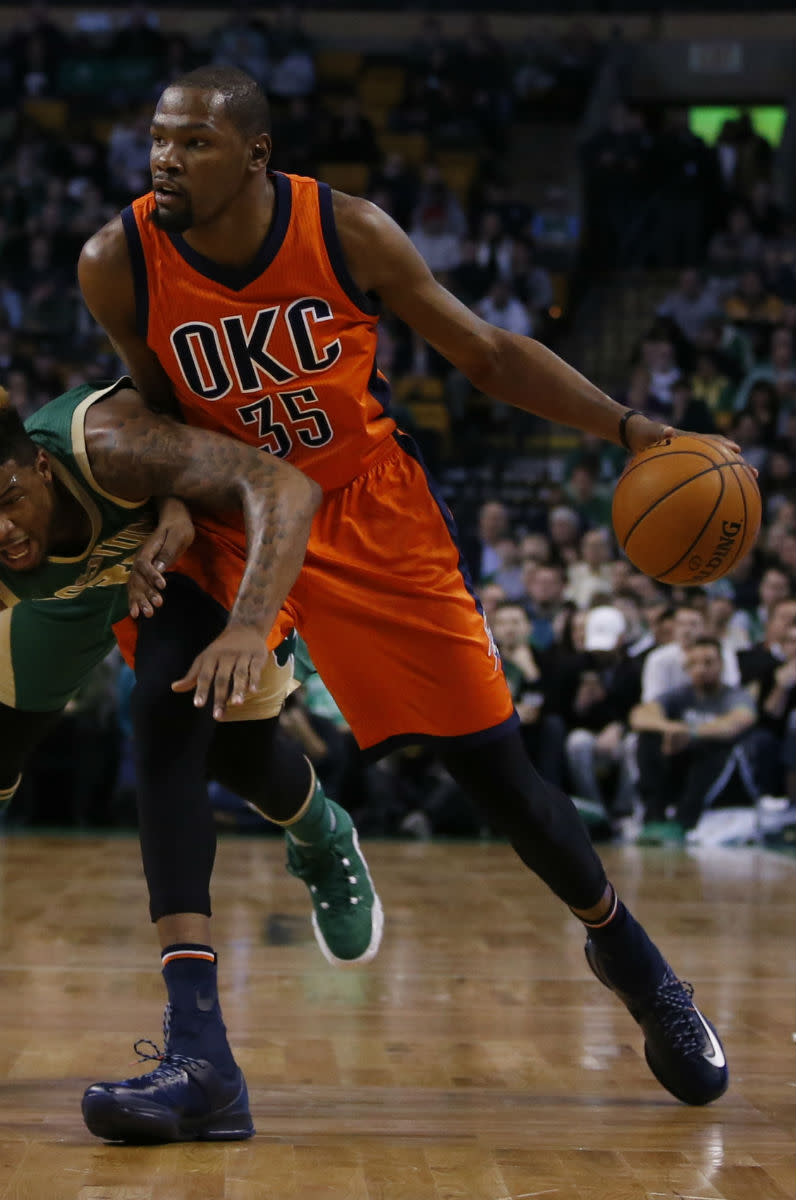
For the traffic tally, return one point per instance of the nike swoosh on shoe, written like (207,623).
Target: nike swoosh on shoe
(716,1055)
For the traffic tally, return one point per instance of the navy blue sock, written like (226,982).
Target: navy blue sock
(632,961)
(196,1027)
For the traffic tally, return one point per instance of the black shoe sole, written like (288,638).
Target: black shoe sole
(113,1120)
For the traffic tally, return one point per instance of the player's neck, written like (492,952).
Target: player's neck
(234,237)
(71,527)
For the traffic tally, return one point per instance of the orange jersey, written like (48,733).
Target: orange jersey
(281,353)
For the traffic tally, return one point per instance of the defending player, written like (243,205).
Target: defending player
(73,512)
(253,298)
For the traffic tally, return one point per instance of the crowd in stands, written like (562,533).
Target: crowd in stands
(630,694)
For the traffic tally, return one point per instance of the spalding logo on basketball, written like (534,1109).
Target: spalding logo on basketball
(686,510)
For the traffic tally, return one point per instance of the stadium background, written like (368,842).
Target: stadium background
(619,184)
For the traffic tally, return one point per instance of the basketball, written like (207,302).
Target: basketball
(686,510)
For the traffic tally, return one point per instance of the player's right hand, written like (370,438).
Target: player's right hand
(167,542)
(231,665)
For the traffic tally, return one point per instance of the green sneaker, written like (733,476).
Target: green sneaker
(661,833)
(347,915)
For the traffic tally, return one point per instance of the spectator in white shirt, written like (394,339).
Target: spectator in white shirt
(502,308)
(591,574)
(664,668)
(438,245)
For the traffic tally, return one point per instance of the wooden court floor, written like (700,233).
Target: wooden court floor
(475,1058)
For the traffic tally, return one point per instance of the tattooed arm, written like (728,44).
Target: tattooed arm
(135,453)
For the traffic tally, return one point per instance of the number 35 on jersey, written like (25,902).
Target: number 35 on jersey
(215,361)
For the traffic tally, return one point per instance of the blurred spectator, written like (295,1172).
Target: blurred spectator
(736,247)
(692,303)
(616,163)
(292,74)
(713,389)
(530,282)
(129,145)
(501,307)
(765,214)
(607,690)
(400,181)
(493,245)
(586,495)
(761,667)
(729,347)
(691,750)
(749,303)
(348,135)
(763,405)
(689,411)
(639,394)
(555,227)
(779,275)
(296,136)
(544,588)
(775,587)
(470,280)
(722,621)
(435,242)
(481,551)
(779,368)
(11,305)
(659,357)
(509,575)
(688,188)
(491,596)
(565,528)
(140,38)
(591,574)
(243,42)
(287,33)
(665,667)
(542,731)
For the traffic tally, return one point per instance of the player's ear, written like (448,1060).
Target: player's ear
(43,466)
(261,152)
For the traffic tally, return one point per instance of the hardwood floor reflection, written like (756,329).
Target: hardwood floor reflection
(476,1057)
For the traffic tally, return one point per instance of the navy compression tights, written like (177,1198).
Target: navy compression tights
(179,747)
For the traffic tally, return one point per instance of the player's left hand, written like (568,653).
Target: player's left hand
(168,541)
(231,665)
(644,433)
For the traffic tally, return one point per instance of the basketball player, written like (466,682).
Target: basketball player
(252,299)
(74,484)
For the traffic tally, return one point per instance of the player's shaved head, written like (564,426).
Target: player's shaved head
(245,103)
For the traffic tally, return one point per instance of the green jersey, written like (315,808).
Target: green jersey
(57,623)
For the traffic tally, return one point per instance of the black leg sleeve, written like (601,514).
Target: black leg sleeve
(172,742)
(258,761)
(541,823)
(20,733)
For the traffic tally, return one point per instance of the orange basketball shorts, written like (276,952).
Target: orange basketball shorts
(385,605)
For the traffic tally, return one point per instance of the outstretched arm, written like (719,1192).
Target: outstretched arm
(518,370)
(135,453)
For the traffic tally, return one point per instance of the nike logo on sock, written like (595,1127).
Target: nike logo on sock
(716,1055)
(205,1003)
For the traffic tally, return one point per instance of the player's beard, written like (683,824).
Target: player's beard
(176,221)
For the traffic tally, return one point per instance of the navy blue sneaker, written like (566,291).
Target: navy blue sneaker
(681,1046)
(182,1100)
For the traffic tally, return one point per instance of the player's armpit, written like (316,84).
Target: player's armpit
(106,281)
